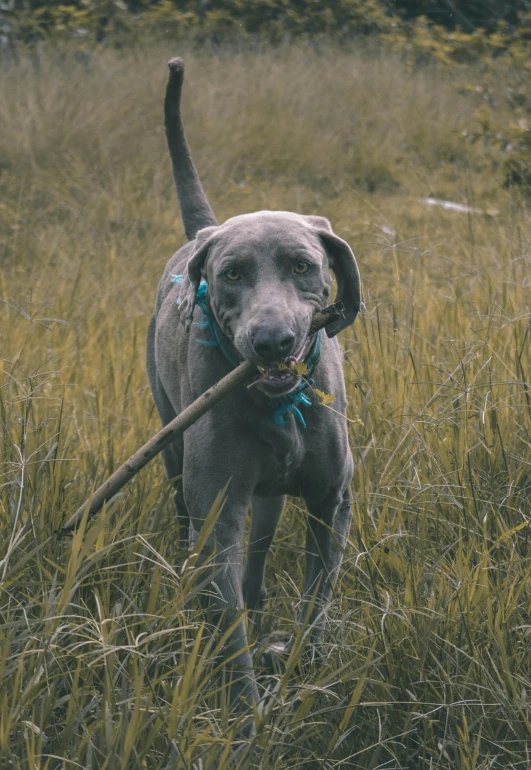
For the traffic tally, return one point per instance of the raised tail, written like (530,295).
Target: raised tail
(195,209)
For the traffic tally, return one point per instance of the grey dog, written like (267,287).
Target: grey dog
(246,290)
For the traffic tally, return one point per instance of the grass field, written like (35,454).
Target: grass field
(105,659)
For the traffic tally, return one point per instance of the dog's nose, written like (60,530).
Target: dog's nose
(273,343)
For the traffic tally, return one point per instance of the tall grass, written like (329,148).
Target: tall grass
(107,660)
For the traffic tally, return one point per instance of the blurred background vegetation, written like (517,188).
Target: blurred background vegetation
(490,33)
(343,14)
(505,20)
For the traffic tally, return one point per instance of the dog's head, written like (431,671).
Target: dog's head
(267,274)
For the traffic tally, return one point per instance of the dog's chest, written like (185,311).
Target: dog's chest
(282,453)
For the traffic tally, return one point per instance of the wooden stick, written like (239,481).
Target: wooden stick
(187,417)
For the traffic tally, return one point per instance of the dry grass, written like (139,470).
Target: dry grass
(106,662)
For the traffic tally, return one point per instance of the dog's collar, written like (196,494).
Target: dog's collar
(216,339)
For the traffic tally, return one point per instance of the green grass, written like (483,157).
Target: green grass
(107,660)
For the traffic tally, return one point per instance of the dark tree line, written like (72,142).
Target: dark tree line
(467,15)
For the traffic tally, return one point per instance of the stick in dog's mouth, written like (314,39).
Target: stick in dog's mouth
(177,426)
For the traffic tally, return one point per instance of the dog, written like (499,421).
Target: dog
(246,290)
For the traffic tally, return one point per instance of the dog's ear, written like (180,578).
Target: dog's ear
(192,275)
(319,223)
(343,263)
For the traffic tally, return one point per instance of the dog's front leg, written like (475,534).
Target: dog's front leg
(328,527)
(223,555)
(265,518)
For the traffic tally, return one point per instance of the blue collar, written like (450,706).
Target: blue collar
(216,339)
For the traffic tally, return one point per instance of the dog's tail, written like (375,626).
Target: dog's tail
(195,209)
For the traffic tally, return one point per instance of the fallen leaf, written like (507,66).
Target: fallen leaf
(324,398)
(300,368)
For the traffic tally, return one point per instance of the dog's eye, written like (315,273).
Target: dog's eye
(232,273)
(302,267)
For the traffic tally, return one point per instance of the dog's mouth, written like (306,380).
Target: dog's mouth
(281,377)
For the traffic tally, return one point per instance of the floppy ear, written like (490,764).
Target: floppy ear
(192,275)
(343,263)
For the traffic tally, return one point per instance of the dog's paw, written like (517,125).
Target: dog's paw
(272,649)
